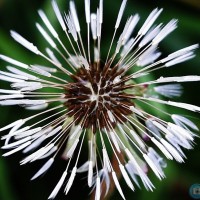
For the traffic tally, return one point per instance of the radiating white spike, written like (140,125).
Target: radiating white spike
(175,56)
(40,71)
(13,124)
(111,116)
(83,168)
(13,61)
(84,62)
(72,149)
(58,15)
(90,173)
(75,61)
(44,168)
(21,102)
(58,186)
(35,144)
(103,173)
(71,145)
(117,184)
(150,35)
(127,47)
(71,26)
(17,143)
(17,149)
(132,172)
(96,55)
(177,141)
(131,28)
(180,120)
(87,11)
(54,149)
(161,127)
(137,139)
(10,79)
(75,131)
(114,140)
(42,132)
(22,73)
(177,79)
(9,91)
(98,24)
(33,155)
(177,104)
(169,90)
(184,51)
(98,189)
(149,59)
(148,56)
(25,84)
(24,42)
(106,160)
(152,128)
(74,15)
(11,75)
(52,57)
(46,36)
(54,131)
(180,59)
(172,150)
(122,39)
(101,11)
(149,21)
(94,25)
(15,130)
(167,29)
(43,152)
(30,89)
(120,14)
(185,106)
(152,165)
(47,23)
(147,183)
(136,110)
(162,148)
(157,156)
(47,69)
(37,107)
(126,177)
(181,131)
(71,180)
(157,160)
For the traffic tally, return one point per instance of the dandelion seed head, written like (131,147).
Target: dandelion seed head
(99,100)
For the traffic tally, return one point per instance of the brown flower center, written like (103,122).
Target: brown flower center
(96,97)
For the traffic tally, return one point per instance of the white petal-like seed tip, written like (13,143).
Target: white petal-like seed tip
(24,42)
(120,14)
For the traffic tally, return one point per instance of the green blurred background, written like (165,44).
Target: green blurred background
(21,16)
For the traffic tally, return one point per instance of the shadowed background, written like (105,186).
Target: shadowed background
(21,15)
